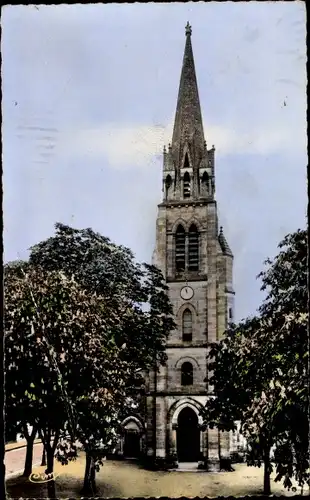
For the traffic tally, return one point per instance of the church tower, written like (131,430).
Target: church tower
(196,262)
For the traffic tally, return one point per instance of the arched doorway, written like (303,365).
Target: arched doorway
(131,444)
(131,438)
(188,436)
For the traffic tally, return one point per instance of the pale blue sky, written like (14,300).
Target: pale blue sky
(104,80)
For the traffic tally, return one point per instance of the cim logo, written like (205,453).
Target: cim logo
(42,477)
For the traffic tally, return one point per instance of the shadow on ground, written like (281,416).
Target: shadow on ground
(66,487)
(128,479)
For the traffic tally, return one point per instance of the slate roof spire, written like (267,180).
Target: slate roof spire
(188,120)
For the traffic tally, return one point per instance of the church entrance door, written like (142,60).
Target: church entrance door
(188,436)
(131,444)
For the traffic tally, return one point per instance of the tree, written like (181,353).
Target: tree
(19,408)
(139,311)
(286,311)
(135,294)
(97,323)
(50,322)
(260,374)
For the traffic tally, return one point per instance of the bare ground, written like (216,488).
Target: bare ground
(128,479)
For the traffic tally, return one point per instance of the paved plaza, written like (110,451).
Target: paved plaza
(128,479)
(15,459)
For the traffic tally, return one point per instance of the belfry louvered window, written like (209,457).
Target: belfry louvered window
(187,327)
(168,183)
(186,185)
(187,373)
(204,184)
(180,249)
(193,248)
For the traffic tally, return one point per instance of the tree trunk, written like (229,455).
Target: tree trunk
(267,471)
(89,487)
(48,456)
(50,460)
(29,456)
(43,461)
(51,489)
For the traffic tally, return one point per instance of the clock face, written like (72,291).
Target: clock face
(187,292)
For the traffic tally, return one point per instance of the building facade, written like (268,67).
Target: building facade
(197,263)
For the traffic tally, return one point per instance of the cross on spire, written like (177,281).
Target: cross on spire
(188,29)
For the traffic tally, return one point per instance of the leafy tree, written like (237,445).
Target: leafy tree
(50,323)
(286,312)
(19,408)
(91,321)
(260,374)
(140,314)
(135,294)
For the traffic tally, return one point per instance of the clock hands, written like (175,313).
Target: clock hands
(187,293)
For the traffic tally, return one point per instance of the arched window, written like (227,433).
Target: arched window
(187,327)
(187,373)
(205,177)
(205,183)
(180,249)
(168,183)
(186,161)
(186,185)
(193,248)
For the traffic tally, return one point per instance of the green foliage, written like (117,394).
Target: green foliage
(260,374)
(50,323)
(83,322)
(110,271)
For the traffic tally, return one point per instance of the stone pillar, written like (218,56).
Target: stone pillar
(213,463)
(150,428)
(204,444)
(224,437)
(172,439)
(170,264)
(161,424)
(212,272)
(203,462)
(172,459)
(224,444)
(162,378)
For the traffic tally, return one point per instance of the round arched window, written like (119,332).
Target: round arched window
(187,373)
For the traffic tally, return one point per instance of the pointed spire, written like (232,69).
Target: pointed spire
(223,243)
(188,119)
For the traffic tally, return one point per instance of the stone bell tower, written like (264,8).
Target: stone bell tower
(196,262)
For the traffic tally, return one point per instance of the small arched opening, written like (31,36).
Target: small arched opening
(168,184)
(187,373)
(186,185)
(204,183)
